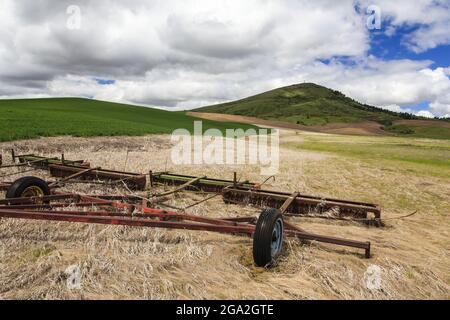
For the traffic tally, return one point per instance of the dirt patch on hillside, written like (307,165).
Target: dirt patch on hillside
(243,119)
(361,128)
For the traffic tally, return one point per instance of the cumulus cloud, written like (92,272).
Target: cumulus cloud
(425,113)
(186,54)
(397,108)
(431,18)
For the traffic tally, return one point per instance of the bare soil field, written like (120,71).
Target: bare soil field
(365,128)
(361,128)
(118,262)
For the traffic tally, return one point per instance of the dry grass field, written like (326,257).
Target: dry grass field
(140,263)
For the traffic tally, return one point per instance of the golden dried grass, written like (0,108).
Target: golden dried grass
(130,263)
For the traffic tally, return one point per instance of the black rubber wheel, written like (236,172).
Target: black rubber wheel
(28,187)
(268,237)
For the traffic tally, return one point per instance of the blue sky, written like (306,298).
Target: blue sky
(185,54)
(105,81)
(393,47)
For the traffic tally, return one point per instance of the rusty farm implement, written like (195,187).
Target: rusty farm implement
(33,198)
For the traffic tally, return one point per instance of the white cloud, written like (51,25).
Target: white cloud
(446,71)
(170,52)
(440,109)
(384,83)
(430,17)
(429,37)
(396,108)
(193,53)
(425,113)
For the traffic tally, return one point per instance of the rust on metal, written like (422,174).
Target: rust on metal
(302,204)
(4,186)
(139,215)
(180,188)
(134,181)
(73,176)
(28,163)
(203,183)
(288,202)
(43,162)
(232,191)
(135,211)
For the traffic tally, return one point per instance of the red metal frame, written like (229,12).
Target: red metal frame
(139,215)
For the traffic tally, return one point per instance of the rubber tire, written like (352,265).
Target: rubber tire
(262,239)
(18,186)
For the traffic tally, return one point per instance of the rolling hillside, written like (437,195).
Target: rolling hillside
(305,104)
(311,107)
(32,118)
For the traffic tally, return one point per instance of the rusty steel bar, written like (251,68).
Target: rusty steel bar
(180,188)
(327,239)
(40,202)
(140,215)
(213,225)
(288,202)
(125,221)
(22,164)
(204,183)
(39,206)
(242,219)
(169,216)
(73,176)
(301,204)
(4,186)
(292,227)
(40,199)
(161,213)
(131,180)
(125,198)
(44,164)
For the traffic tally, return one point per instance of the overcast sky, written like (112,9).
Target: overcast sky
(186,54)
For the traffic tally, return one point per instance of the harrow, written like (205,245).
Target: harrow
(32,198)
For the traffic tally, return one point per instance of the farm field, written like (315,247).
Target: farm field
(402,175)
(32,118)
(421,157)
(430,129)
(311,107)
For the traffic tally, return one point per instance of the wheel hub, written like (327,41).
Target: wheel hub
(277,238)
(32,191)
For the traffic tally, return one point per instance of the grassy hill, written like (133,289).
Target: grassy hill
(31,118)
(309,104)
(306,104)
